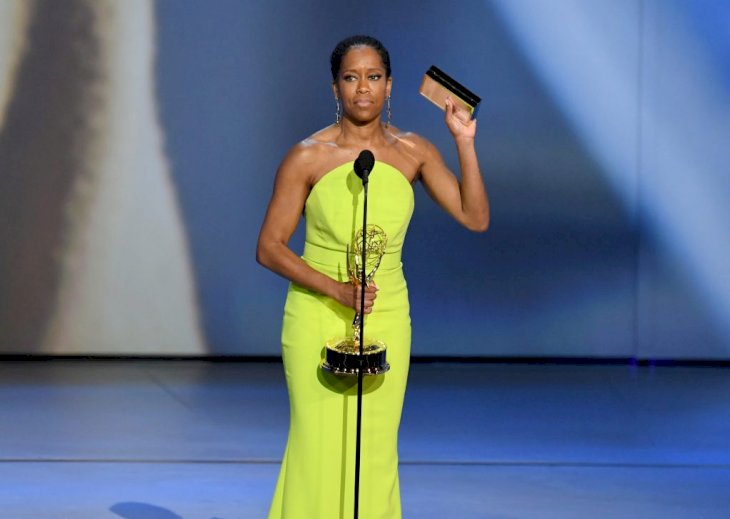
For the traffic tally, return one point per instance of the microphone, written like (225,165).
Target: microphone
(364,165)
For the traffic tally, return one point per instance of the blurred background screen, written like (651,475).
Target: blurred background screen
(139,142)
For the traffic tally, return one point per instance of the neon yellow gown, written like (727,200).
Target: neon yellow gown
(318,469)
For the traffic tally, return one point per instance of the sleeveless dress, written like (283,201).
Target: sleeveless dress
(317,474)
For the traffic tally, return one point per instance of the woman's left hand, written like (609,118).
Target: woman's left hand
(459,121)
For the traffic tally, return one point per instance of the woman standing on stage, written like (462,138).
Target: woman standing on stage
(316,178)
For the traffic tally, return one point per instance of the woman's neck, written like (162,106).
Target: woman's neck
(370,134)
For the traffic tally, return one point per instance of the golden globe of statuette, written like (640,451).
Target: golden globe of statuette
(342,356)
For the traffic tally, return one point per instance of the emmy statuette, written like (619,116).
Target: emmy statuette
(342,356)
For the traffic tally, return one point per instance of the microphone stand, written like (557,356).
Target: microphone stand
(362,338)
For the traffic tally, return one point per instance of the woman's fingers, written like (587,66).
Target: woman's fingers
(458,120)
(350,295)
(371,292)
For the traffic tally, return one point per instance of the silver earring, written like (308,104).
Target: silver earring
(388,113)
(338,111)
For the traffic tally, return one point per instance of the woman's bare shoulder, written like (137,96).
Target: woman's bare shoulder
(412,143)
(308,150)
(313,155)
(325,136)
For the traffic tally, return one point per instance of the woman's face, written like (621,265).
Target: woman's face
(361,84)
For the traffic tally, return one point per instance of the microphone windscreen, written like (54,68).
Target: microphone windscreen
(364,163)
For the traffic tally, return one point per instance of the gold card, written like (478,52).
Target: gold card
(437,86)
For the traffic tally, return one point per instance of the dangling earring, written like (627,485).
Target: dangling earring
(338,111)
(388,113)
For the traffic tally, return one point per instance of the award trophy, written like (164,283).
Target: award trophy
(342,356)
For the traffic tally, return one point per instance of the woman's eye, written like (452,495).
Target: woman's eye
(375,77)
(350,78)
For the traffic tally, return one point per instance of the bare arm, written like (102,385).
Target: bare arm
(291,188)
(465,200)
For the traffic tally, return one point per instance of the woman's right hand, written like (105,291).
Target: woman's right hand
(349,295)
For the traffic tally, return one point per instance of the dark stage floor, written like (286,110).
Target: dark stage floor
(142,439)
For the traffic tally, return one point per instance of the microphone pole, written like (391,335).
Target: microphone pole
(363,166)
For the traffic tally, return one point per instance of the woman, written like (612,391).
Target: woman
(317,178)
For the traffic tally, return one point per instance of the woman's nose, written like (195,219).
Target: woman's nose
(362,86)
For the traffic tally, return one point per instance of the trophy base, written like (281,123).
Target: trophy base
(342,357)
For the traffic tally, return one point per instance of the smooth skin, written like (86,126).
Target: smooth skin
(362,87)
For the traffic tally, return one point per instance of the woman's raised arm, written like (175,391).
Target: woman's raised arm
(465,199)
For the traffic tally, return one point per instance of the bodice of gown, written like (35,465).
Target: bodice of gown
(334,212)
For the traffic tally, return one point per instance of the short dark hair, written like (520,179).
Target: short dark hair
(357,41)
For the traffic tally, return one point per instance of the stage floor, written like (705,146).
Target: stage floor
(143,439)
